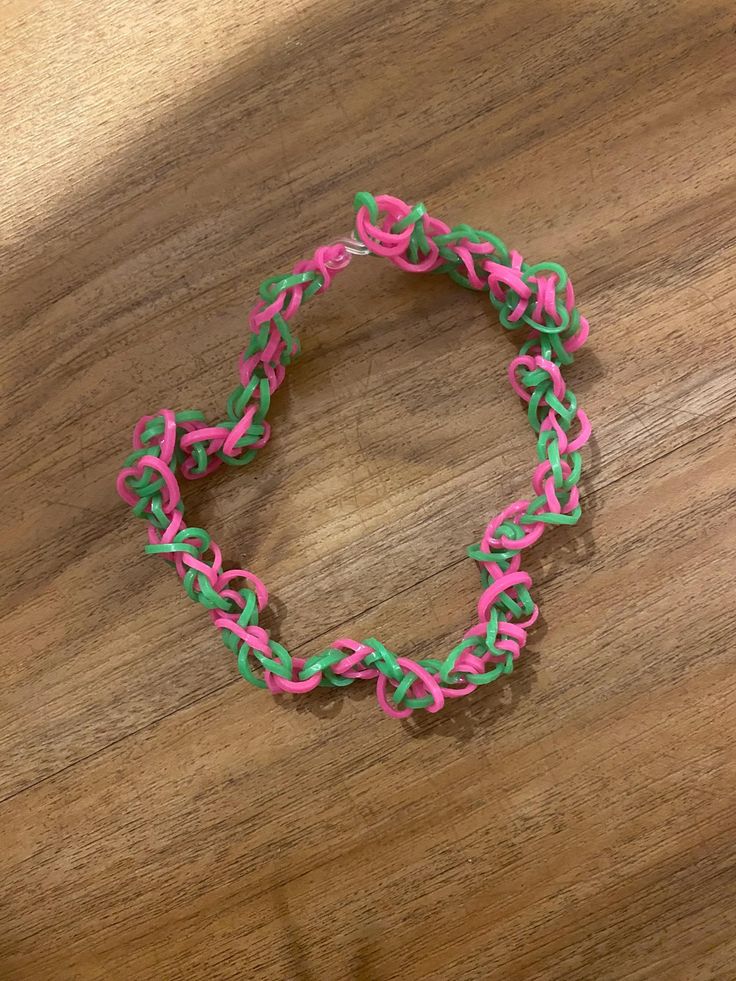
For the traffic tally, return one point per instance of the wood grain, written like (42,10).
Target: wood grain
(163,820)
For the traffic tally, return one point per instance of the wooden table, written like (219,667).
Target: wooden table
(160,818)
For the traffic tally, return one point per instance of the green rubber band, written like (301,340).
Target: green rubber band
(382,659)
(284,669)
(172,548)
(245,668)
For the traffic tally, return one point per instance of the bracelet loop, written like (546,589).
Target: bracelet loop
(539,297)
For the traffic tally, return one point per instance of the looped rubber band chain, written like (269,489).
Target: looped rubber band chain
(537,299)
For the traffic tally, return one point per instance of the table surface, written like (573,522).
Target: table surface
(161,818)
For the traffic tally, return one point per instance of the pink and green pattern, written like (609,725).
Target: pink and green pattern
(167,445)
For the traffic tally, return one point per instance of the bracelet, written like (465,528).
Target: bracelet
(539,297)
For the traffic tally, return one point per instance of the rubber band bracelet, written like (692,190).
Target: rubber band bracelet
(538,299)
